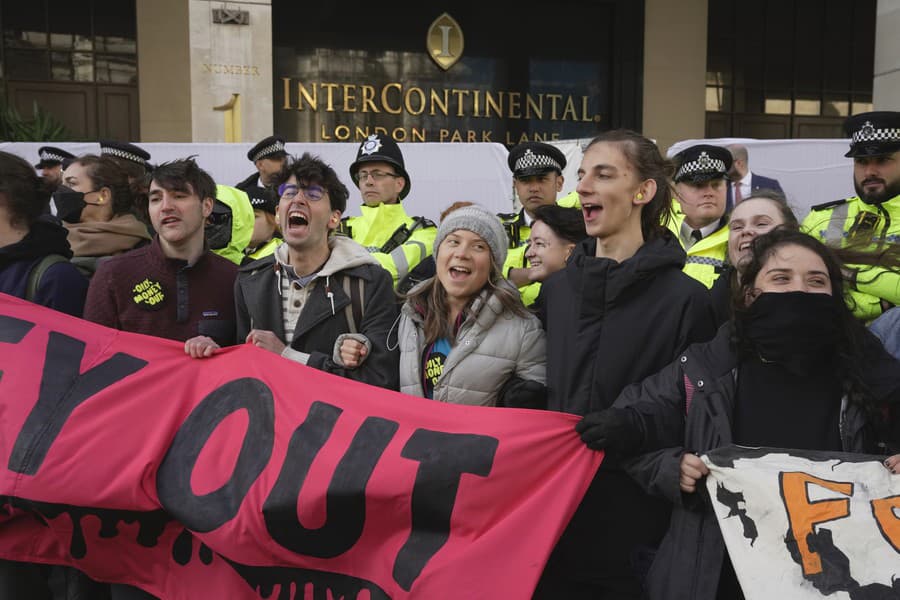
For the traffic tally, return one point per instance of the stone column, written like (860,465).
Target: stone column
(205,70)
(674,70)
(886,86)
(164,76)
(231,70)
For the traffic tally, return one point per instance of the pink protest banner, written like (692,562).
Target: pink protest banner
(247,476)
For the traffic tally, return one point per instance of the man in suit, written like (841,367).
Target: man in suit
(743,181)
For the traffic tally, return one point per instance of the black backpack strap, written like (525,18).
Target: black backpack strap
(355,310)
(37,273)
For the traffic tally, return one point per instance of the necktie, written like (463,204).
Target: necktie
(737,193)
(697,235)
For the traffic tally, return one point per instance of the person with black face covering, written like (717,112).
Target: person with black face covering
(34,252)
(96,204)
(791,369)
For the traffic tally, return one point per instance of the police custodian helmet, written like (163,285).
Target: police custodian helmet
(381,148)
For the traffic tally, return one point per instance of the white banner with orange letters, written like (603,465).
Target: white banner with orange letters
(810,525)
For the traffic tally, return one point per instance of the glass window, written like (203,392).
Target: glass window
(115,26)
(789,59)
(24,24)
(72,66)
(715,98)
(73,31)
(115,68)
(778,103)
(807,106)
(836,105)
(112,43)
(27,64)
(68,17)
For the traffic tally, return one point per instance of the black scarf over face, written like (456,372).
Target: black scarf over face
(788,389)
(797,330)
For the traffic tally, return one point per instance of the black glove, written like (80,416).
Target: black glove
(523,393)
(615,430)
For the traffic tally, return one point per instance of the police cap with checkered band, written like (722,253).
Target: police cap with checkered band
(124,150)
(270,147)
(535,158)
(381,148)
(702,163)
(51,156)
(873,133)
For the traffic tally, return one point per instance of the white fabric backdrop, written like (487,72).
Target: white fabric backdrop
(810,171)
(441,174)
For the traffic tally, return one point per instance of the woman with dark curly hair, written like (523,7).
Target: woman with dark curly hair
(97,205)
(792,369)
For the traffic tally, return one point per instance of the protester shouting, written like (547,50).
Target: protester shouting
(620,310)
(464,335)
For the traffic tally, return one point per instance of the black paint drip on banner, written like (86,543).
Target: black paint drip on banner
(731,500)
(835,575)
(263,580)
(152,523)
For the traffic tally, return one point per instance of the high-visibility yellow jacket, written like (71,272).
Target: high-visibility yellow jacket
(264,250)
(706,258)
(378,224)
(840,222)
(517,232)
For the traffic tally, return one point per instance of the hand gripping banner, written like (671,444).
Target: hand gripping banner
(248,476)
(807,525)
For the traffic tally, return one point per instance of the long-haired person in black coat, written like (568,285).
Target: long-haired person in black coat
(620,310)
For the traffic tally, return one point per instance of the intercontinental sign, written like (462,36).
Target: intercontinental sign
(353,103)
(347,95)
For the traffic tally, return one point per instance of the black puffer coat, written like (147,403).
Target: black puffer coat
(610,325)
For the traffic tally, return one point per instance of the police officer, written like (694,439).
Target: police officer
(872,216)
(701,223)
(268,156)
(265,236)
(51,165)
(399,242)
(133,159)
(537,178)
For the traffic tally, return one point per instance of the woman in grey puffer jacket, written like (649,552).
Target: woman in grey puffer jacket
(464,335)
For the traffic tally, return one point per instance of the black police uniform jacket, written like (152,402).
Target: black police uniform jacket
(248,183)
(689,560)
(610,325)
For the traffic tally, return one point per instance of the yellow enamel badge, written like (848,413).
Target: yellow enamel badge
(148,293)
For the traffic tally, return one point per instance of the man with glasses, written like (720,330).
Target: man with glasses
(399,242)
(317,289)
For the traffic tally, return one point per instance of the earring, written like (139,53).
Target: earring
(640,196)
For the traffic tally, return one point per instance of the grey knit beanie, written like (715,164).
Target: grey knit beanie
(478,221)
